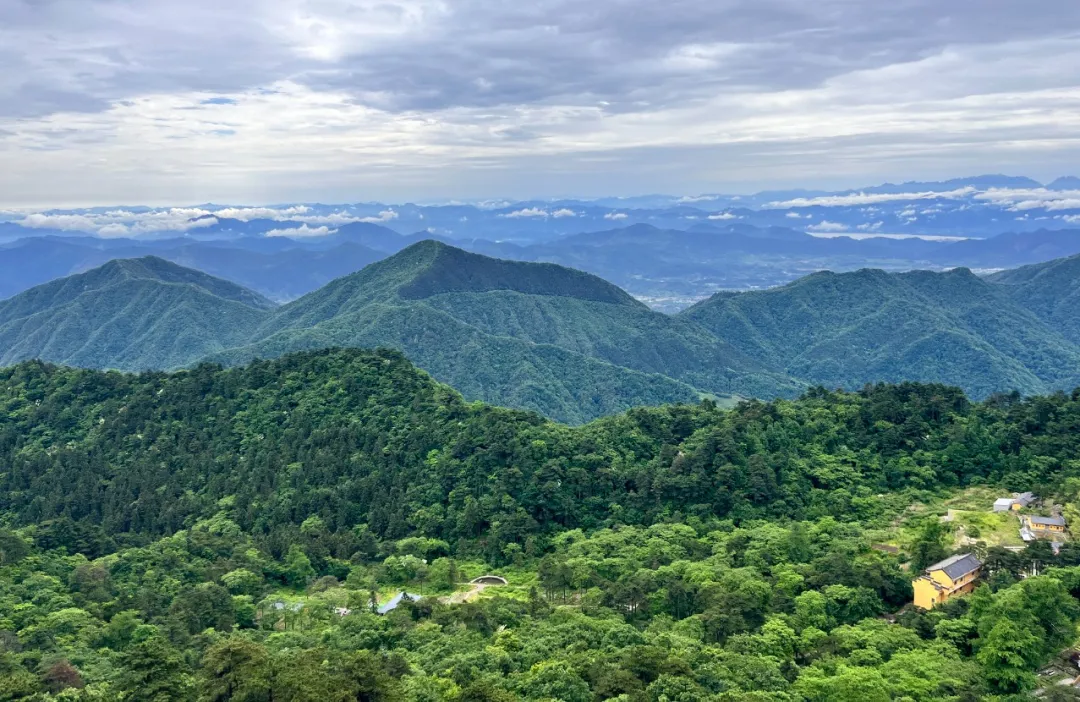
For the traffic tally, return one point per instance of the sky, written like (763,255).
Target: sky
(264,101)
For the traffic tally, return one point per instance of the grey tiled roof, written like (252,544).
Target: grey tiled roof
(1048,521)
(393,604)
(957,566)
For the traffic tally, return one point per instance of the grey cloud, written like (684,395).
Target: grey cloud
(632,54)
(620,52)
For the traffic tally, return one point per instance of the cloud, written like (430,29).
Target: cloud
(322,99)
(1020,199)
(557,214)
(1071,219)
(856,199)
(827,226)
(63,222)
(724,215)
(246,214)
(301,232)
(1052,205)
(616,216)
(119,223)
(384,216)
(690,199)
(526,212)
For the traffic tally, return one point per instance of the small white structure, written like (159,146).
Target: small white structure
(1003,504)
(396,601)
(1019,500)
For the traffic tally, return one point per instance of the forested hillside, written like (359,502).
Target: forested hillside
(567,344)
(516,334)
(844,330)
(221,534)
(1050,290)
(129,314)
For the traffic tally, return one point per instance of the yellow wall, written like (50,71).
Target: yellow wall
(926,595)
(1015,507)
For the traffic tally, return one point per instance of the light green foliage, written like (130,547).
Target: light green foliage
(220,534)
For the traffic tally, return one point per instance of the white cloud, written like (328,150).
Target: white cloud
(246,214)
(1051,205)
(563,213)
(1071,219)
(114,230)
(724,215)
(690,199)
(64,222)
(327,98)
(615,216)
(1014,195)
(117,223)
(793,215)
(870,227)
(302,232)
(827,226)
(526,212)
(856,199)
(384,216)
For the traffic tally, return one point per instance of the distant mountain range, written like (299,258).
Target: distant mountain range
(567,343)
(668,251)
(667,268)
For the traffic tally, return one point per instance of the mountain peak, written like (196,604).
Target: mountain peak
(162,271)
(447,269)
(1065,183)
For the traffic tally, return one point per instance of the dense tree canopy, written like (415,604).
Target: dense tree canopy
(225,535)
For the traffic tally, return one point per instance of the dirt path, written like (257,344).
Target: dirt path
(467,595)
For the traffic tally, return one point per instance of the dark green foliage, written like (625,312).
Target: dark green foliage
(129,314)
(452,270)
(356,437)
(1050,290)
(567,344)
(195,535)
(527,335)
(845,330)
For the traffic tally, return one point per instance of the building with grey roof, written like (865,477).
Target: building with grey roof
(956,566)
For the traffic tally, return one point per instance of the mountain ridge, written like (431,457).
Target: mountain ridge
(567,343)
(133,314)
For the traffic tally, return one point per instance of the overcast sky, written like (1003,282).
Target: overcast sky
(256,101)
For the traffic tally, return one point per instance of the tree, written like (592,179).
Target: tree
(298,570)
(235,669)
(243,582)
(13,548)
(929,546)
(153,671)
(1005,654)
(61,675)
(848,684)
(16,682)
(551,680)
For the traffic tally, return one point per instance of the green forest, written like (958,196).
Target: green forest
(568,344)
(233,533)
